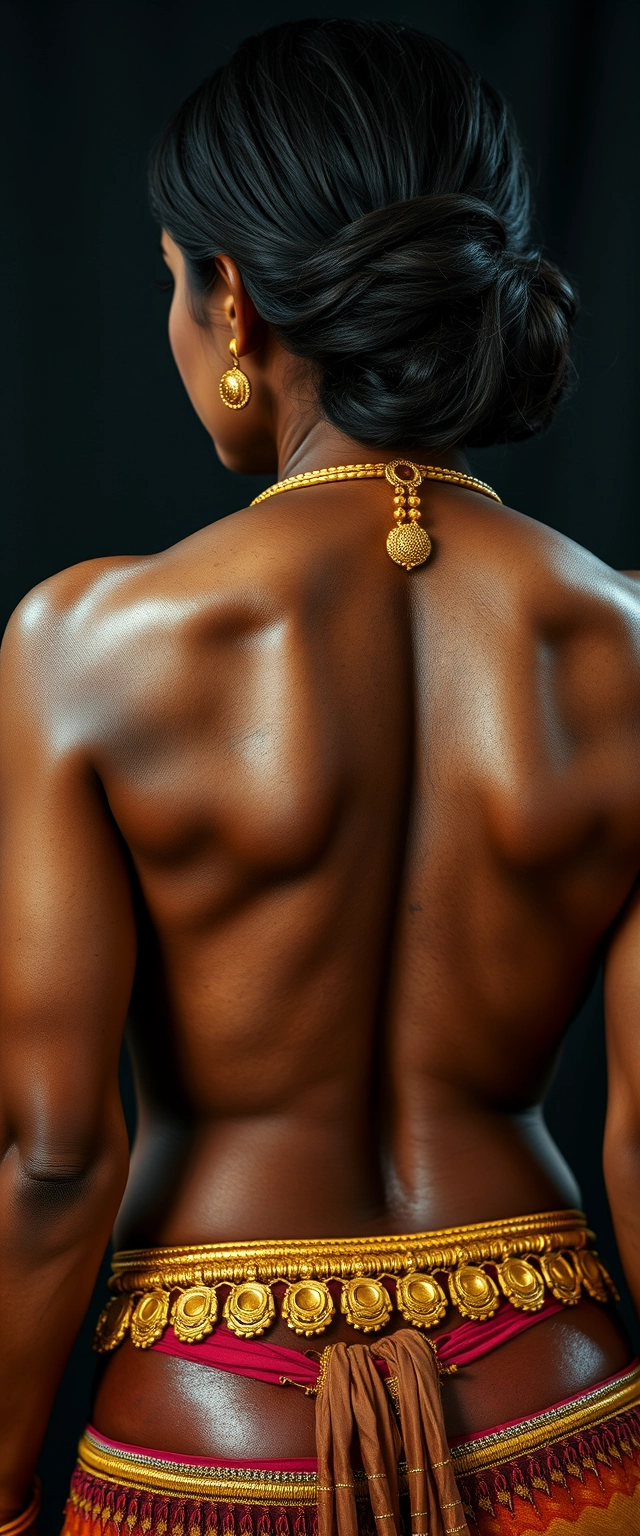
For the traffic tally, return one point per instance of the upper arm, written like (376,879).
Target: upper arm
(622,1133)
(67,931)
(622,1010)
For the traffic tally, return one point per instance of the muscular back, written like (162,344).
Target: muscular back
(344,843)
(376,827)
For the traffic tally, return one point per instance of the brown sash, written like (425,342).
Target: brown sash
(354,1400)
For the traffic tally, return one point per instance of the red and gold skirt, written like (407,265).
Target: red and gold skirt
(573,1470)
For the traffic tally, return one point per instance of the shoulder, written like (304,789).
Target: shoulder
(92,624)
(60,602)
(579,616)
(547,577)
(569,590)
(45,645)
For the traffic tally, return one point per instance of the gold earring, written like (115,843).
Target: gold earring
(235,388)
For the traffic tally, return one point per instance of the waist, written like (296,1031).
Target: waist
(466,1271)
(579,1455)
(260,1174)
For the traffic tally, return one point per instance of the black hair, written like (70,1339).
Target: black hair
(371,188)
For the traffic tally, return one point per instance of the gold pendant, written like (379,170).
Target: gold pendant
(522,1284)
(473,1292)
(235,388)
(561,1277)
(249,1309)
(194,1314)
(407,543)
(366,1304)
(420,1299)
(307,1307)
(149,1319)
(594,1275)
(113,1323)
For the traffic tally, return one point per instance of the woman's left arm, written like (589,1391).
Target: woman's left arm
(622,1132)
(67,958)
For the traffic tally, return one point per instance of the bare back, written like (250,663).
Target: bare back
(377,827)
(339,845)
(380,827)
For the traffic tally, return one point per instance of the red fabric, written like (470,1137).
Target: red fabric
(587,1484)
(270,1362)
(470,1341)
(243,1357)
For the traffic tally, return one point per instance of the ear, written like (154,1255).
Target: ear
(245,323)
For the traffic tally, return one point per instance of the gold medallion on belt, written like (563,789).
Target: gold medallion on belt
(470,1269)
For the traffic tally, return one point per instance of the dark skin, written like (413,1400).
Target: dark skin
(347,843)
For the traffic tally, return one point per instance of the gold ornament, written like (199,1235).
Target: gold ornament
(113,1323)
(522,1284)
(177,1478)
(366,1304)
(194,1313)
(407,543)
(235,387)
(421,1299)
(526,1254)
(473,1292)
(562,1278)
(27,1516)
(307,1307)
(249,1309)
(149,1319)
(594,1277)
(373,472)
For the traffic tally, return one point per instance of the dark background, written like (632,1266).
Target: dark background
(101,452)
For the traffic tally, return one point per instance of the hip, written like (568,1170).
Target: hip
(522,1308)
(571,1470)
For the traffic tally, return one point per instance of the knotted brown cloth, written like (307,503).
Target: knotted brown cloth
(354,1398)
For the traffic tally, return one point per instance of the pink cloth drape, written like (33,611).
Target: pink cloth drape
(270,1362)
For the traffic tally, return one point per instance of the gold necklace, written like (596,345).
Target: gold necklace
(407,543)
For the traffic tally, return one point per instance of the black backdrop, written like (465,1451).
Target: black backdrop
(101,452)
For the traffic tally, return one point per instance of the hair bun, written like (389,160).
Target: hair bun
(406,244)
(371,188)
(419,313)
(528,324)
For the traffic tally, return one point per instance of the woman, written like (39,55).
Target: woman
(339,798)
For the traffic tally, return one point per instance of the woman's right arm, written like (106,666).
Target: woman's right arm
(67,957)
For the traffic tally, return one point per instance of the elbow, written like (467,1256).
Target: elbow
(80,1181)
(51,1172)
(66,1160)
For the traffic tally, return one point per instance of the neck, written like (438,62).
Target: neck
(304,446)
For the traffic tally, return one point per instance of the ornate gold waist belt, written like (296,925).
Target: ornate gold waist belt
(523,1259)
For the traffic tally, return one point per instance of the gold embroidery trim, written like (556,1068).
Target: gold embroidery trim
(221,1485)
(226,1485)
(542,1429)
(469,1268)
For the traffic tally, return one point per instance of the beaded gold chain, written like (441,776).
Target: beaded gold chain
(408,544)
